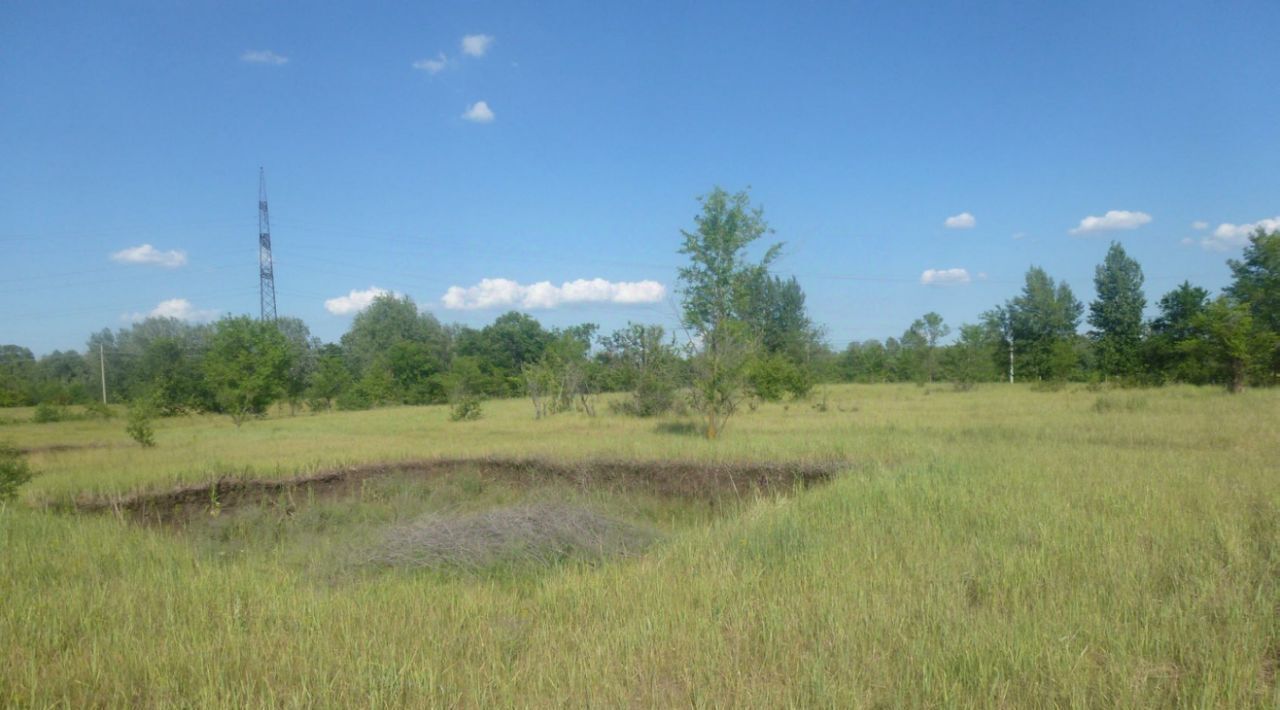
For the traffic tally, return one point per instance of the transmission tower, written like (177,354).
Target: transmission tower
(266,274)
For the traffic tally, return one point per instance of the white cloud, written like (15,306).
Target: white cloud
(147,254)
(1200,225)
(1113,219)
(432,66)
(476,45)
(964,220)
(355,301)
(1019,235)
(479,112)
(1234,236)
(179,308)
(1187,241)
(263,56)
(945,277)
(505,293)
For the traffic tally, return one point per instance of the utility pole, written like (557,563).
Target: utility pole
(102,369)
(266,271)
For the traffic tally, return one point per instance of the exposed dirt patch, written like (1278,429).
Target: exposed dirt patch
(664,478)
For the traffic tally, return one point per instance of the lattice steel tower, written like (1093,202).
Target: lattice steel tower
(266,274)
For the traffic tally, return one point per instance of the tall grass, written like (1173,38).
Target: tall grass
(996,547)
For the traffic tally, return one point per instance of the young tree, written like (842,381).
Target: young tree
(641,359)
(1116,314)
(715,290)
(246,366)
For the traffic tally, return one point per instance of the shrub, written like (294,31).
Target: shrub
(98,410)
(465,408)
(772,377)
(47,413)
(14,472)
(141,412)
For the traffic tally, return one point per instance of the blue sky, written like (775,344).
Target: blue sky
(861,128)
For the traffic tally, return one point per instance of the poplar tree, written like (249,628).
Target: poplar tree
(1116,314)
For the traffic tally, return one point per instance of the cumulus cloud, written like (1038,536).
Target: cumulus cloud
(1234,236)
(1200,225)
(945,277)
(355,301)
(1113,219)
(432,66)
(964,220)
(476,45)
(147,254)
(505,293)
(479,112)
(263,56)
(179,308)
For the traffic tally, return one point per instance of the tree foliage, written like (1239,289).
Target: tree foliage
(716,288)
(1116,314)
(246,366)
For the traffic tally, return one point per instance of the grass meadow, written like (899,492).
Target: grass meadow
(999,547)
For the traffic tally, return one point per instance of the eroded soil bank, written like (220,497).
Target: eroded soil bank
(664,478)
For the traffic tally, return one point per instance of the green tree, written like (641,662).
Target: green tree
(302,359)
(1256,284)
(864,362)
(1230,340)
(246,366)
(17,372)
(1116,314)
(503,348)
(971,359)
(329,379)
(1042,323)
(1166,357)
(920,347)
(395,351)
(715,289)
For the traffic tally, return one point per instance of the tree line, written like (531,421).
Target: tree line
(1232,339)
(746,335)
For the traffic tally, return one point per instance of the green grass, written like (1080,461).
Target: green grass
(996,547)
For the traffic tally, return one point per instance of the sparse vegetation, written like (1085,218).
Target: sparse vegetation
(139,423)
(14,472)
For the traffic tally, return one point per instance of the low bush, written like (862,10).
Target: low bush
(47,413)
(465,409)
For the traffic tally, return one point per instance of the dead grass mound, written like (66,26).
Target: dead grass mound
(535,534)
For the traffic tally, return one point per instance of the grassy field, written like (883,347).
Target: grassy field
(1000,547)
